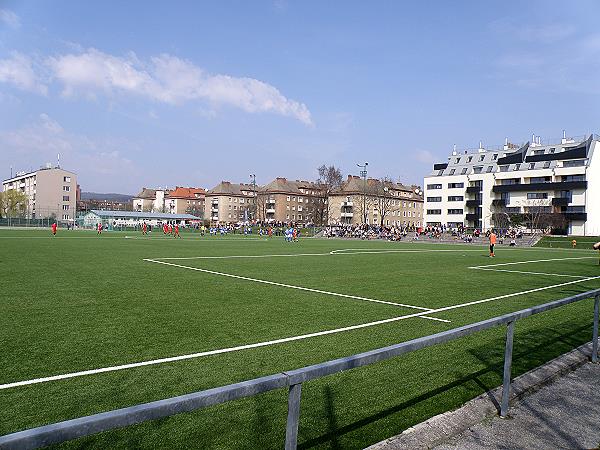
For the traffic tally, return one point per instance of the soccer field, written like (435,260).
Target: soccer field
(91,323)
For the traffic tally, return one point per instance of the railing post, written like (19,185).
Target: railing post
(508,349)
(293,417)
(595,332)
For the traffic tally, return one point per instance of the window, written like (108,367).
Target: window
(440,173)
(509,181)
(574,163)
(67,179)
(517,167)
(409,214)
(552,150)
(489,169)
(481,158)
(469,159)
(299,216)
(495,156)
(464,171)
(531,166)
(434,211)
(503,168)
(540,179)
(573,178)
(66,188)
(434,199)
(506,197)
(457,161)
(456,185)
(455,211)
(546,164)
(65,217)
(455,198)
(452,171)
(538,152)
(537,195)
(434,186)
(477,169)
(65,198)
(65,207)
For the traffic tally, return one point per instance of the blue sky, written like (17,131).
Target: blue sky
(152,94)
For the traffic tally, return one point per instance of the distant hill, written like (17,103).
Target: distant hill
(112,197)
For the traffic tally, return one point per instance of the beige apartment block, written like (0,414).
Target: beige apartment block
(51,192)
(186,200)
(229,203)
(284,200)
(386,203)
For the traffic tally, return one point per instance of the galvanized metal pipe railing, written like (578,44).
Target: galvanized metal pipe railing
(85,426)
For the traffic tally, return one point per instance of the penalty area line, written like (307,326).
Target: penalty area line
(273,342)
(301,288)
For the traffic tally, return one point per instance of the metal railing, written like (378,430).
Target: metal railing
(85,426)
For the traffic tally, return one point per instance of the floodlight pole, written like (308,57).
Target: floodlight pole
(253,178)
(363,173)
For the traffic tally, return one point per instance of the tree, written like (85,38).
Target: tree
(329,181)
(13,203)
(262,197)
(380,192)
(195,210)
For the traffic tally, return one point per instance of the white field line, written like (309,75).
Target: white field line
(532,261)
(301,288)
(276,341)
(246,256)
(528,273)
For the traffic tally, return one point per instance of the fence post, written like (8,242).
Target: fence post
(595,332)
(508,349)
(293,417)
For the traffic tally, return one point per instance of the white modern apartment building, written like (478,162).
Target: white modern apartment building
(560,179)
(51,192)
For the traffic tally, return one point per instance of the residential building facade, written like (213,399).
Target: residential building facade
(552,183)
(229,203)
(284,200)
(376,202)
(183,200)
(51,192)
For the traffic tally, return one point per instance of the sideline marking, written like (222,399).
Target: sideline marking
(301,288)
(528,273)
(276,341)
(488,267)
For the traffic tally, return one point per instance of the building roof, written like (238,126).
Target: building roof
(24,174)
(187,193)
(146,193)
(229,188)
(355,185)
(285,186)
(142,215)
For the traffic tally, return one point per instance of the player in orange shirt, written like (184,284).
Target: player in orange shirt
(492,243)
(574,243)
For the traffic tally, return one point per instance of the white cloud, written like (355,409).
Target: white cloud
(92,159)
(19,71)
(424,156)
(9,18)
(168,79)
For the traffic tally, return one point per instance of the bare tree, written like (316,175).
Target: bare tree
(13,203)
(380,194)
(329,181)
(262,197)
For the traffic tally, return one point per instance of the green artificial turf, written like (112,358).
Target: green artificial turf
(80,301)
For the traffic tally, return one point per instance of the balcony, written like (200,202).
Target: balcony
(500,202)
(560,201)
(214,210)
(473,217)
(346,214)
(474,189)
(347,204)
(473,203)
(552,186)
(270,210)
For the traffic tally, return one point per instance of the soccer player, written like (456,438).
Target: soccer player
(144,228)
(492,243)
(99,228)
(596,246)
(574,243)
(176,234)
(54,226)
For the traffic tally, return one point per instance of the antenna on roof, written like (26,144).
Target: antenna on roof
(564,134)
(480,145)
(58,161)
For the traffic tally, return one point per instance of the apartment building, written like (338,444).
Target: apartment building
(184,200)
(229,203)
(284,200)
(150,200)
(51,192)
(376,202)
(558,180)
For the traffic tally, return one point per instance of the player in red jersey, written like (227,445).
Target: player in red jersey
(176,234)
(54,226)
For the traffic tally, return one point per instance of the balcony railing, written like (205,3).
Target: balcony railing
(473,217)
(474,189)
(473,203)
(560,201)
(499,202)
(552,186)
(347,214)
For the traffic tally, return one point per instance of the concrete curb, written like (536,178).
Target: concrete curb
(442,427)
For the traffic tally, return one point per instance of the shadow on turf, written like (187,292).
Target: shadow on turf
(531,350)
